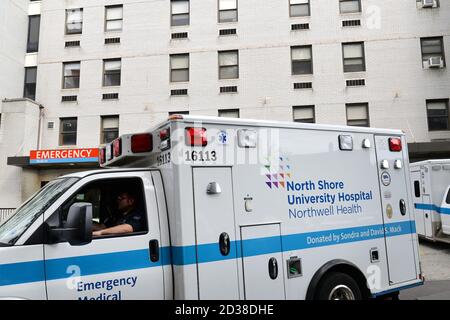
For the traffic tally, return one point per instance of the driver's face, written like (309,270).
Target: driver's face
(124,201)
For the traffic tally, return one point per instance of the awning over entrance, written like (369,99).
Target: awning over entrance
(58,159)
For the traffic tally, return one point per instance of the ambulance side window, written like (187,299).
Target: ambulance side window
(104,196)
(417,188)
(447,200)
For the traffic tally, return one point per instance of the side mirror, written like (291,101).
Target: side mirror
(78,228)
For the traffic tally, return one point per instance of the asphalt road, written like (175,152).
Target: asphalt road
(435,261)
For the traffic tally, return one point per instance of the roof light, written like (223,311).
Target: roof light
(102,156)
(345,143)
(196,137)
(117,147)
(164,134)
(176,117)
(247,138)
(395,144)
(109,153)
(141,143)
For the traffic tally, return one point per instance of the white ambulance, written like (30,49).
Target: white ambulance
(431,193)
(233,209)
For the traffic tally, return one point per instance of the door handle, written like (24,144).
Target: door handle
(224,243)
(154,250)
(273,268)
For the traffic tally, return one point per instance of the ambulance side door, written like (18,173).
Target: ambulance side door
(119,267)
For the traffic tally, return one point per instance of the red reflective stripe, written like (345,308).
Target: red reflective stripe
(395,144)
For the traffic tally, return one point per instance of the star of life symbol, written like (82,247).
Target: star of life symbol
(223,137)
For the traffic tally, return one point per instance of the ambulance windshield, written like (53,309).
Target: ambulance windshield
(24,217)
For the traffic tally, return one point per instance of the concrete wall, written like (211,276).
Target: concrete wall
(396,84)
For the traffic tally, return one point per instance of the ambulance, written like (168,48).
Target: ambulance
(233,208)
(431,194)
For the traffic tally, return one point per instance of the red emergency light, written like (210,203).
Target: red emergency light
(102,156)
(117,147)
(164,134)
(196,137)
(141,143)
(395,144)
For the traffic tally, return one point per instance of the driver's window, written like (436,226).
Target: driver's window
(447,199)
(118,206)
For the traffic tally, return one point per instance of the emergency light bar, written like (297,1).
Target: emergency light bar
(141,143)
(196,137)
(395,144)
(117,147)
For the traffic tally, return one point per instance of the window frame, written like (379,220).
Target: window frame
(57,215)
(352,12)
(227,10)
(179,14)
(105,74)
(441,53)
(302,60)
(313,107)
(447,116)
(103,130)
(171,69)
(366,105)
(291,5)
(229,110)
(61,133)
(30,47)
(67,32)
(106,18)
(228,66)
(363,50)
(33,97)
(75,77)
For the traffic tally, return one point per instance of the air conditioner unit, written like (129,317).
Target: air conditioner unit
(428,3)
(435,62)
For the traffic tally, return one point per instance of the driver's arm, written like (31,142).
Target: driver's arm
(122,228)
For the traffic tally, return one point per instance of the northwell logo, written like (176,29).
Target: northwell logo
(277,171)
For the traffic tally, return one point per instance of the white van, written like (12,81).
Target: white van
(431,193)
(233,209)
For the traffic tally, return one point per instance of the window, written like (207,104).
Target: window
(109,199)
(71,78)
(350,6)
(417,189)
(178,112)
(228,64)
(432,47)
(74,21)
(228,11)
(111,72)
(29,90)
(113,18)
(34,23)
(353,55)
(68,132)
(110,129)
(179,67)
(447,199)
(179,12)
(299,8)
(437,113)
(304,114)
(358,114)
(301,58)
(229,113)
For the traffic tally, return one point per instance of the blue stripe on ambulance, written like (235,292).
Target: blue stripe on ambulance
(27,272)
(432,207)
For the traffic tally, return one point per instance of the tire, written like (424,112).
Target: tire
(338,286)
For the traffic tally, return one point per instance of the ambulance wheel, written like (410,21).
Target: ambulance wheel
(338,286)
